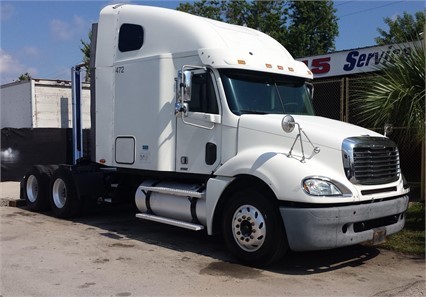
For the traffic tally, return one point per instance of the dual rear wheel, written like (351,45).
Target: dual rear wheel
(51,187)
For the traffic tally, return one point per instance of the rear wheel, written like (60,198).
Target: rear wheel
(36,187)
(64,198)
(253,228)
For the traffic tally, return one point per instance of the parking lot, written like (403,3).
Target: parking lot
(111,253)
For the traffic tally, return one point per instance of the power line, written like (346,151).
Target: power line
(343,3)
(369,9)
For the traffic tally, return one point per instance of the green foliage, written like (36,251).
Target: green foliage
(303,27)
(313,28)
(411,239)
(396,95)
(402,29)
(85,50)
(211,9)
(268,17)
(24,76)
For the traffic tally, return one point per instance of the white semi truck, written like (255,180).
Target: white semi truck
(210,126)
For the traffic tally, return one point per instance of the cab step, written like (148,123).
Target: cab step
(181,224)
(174,191)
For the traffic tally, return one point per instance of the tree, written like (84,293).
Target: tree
(211,9)
(266,16)
(269,17)
(24,76)
(85,49)
(396,95)
(402,29)
(313,28)
(303,27)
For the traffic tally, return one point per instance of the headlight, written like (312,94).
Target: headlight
(324,187)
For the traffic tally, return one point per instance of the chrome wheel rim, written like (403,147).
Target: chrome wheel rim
(32,188)
(59,193)
(249,228)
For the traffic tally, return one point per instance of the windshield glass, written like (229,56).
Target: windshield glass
(250,92)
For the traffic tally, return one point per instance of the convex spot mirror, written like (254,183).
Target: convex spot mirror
(310,88)
(288,123)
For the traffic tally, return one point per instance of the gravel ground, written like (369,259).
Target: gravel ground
(111,253)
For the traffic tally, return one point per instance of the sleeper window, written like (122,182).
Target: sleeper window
(130,37)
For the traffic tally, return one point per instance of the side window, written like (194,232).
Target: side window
(203,97)
(130,37)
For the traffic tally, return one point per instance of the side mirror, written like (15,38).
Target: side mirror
(388,129)
(187,85)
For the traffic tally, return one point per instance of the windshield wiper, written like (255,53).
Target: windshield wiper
(279,96)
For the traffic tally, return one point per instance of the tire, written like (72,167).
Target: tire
(253,229)
(36,187)
(64,199)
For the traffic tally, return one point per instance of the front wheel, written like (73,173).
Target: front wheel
(253,229)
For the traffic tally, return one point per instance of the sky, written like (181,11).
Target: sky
(43,37)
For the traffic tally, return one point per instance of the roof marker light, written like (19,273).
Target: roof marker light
(242,62)
(268,65)
(280,67)
(291,69)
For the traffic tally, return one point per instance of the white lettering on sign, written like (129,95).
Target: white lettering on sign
(355,61)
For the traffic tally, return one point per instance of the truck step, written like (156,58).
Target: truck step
(175,192)
(181,224)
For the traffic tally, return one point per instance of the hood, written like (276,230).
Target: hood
(323,132)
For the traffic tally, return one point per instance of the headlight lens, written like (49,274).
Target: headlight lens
(319,187)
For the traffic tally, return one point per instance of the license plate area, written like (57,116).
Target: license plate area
(379,236)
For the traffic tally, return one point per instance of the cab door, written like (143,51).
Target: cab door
(199,130)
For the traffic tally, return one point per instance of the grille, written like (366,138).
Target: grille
(371,160)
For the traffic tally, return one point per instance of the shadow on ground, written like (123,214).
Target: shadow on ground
(118,222)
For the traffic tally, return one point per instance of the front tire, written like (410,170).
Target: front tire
(64,199)
(253,229)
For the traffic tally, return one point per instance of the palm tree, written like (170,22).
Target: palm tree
(396,95)
(85,50)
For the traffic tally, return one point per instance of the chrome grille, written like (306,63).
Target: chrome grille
(370,160)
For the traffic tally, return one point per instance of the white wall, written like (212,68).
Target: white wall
(48,105)
(15,105)
(53,106)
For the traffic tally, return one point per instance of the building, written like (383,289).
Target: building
(41,103)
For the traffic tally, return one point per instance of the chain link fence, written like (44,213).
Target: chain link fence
(334,98)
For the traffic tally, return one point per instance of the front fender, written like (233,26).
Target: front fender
(284,174)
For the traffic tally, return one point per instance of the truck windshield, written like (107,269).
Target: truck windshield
(250,92)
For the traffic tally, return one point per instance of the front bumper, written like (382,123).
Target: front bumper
(332,227)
